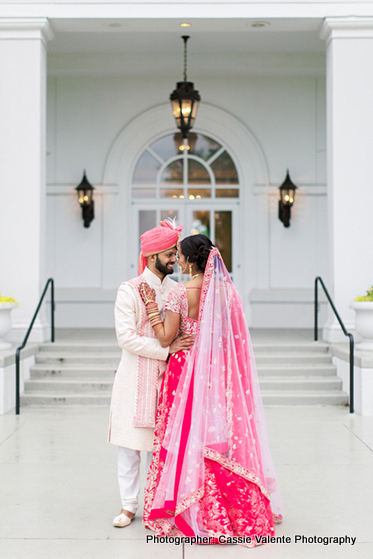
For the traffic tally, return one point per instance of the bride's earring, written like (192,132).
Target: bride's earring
(190,272)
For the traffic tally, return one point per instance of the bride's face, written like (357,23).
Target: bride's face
(182,260)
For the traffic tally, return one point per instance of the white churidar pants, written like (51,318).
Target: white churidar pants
(129,476)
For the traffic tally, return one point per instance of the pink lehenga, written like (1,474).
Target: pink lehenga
(212,472)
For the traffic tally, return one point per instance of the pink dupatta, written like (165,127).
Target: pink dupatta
(217,418)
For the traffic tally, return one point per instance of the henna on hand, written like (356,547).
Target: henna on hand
(181,342)
(147,293)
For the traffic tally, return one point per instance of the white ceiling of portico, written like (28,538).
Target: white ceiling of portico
(154,47)
(208,36)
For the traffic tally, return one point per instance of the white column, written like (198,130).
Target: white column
(349,162)
(22,168)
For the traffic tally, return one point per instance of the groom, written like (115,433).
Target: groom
(136,384)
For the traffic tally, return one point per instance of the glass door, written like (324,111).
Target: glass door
(217,224)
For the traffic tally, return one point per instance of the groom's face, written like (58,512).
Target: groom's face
(166,261)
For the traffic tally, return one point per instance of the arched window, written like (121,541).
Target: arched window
(168,169)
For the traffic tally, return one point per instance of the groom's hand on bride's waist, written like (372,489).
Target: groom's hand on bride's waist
(183,341)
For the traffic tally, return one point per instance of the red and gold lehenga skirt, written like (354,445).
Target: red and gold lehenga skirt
(229,504)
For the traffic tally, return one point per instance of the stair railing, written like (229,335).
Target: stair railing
(350,336)
(18,351)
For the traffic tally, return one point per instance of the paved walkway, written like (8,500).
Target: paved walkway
(59,490)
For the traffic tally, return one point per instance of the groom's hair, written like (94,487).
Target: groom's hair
(196,249)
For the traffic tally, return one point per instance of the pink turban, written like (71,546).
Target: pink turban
(159,239)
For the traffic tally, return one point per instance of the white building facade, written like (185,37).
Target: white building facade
(284,86)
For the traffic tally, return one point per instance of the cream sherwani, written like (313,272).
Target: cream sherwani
(127,313)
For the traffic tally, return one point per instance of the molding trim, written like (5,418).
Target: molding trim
(33,28)
(303,190)
(285,295)
(346,28)
(69,189)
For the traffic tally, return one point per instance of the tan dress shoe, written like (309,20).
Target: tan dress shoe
(123,519)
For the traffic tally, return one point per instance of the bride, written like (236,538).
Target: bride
(212,473)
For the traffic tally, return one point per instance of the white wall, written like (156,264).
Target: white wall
(286,114)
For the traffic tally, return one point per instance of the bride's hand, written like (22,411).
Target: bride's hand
(147,293)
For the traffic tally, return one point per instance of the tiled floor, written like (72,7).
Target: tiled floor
(59,490)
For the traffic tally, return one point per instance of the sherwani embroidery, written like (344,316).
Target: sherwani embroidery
(134,346)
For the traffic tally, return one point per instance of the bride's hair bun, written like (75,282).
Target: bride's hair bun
(203,251)
(196,250)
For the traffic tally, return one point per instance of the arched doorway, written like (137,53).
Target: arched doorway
(123,168)
(197,184)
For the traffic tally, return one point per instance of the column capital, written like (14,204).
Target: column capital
(26,28)
(346,28)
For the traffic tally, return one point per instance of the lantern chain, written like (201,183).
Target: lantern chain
(185,37)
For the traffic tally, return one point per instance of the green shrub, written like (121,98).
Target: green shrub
(367,297)
(4,300)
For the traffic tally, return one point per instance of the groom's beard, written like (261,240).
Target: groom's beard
(163,269)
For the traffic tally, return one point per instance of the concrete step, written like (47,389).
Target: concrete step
(83,373)
(265,348)
(293,369)
(296,398)
(42,370)
(62,351)
(65,398)
(308,358)
(296,384)
(62,347)
(90,385)
(107,359)
(110,358)
(269,398)
(61,370)
(71,385)
(310,347)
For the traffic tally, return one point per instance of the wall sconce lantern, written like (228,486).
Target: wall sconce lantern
(185,99)
(85,197)
(287,195)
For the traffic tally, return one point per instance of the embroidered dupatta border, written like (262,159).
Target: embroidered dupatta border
(229,465)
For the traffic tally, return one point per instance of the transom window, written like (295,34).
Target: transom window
(169,169)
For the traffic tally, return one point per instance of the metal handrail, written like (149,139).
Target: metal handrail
(18,351)
(350,336)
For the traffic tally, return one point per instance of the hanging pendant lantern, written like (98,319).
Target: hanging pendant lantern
(185,99)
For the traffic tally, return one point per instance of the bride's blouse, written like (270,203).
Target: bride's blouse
(177,302)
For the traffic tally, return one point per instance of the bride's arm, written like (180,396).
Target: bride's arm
(167,330)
